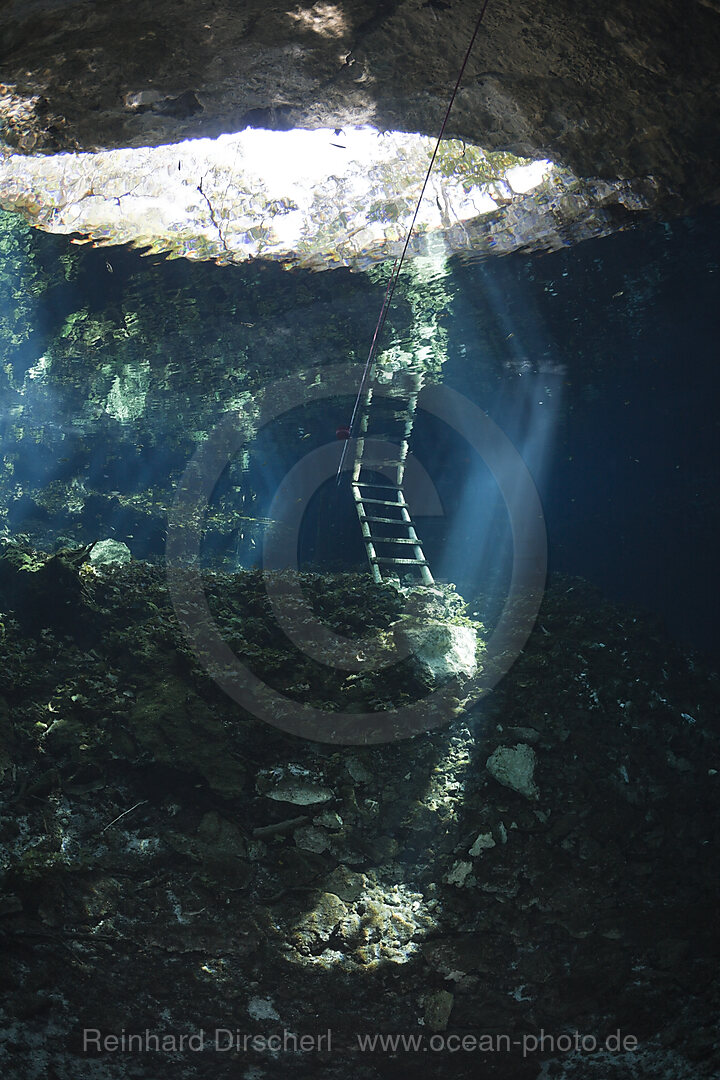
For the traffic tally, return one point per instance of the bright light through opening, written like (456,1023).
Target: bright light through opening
(314,197)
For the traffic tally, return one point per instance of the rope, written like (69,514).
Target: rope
(395,274)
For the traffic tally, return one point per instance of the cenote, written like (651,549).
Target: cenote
(358,632)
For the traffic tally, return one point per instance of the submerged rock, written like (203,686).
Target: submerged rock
(292,785)
(441,650)
(514,768)
(110,553)
(314,931)
(438,1006)
(483,842)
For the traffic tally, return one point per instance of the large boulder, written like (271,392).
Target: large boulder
(110,553)
(441,650)
(514,768)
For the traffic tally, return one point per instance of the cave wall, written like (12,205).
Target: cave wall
(622,90)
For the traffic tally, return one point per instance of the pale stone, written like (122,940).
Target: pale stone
(110,553)
(299,793)
(514,767)
(262,1009)
(459,873)
(442,650)
(483,843)
(292,785)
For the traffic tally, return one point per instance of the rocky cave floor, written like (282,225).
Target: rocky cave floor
(171,864)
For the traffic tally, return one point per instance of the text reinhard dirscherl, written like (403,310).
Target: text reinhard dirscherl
(222,1040)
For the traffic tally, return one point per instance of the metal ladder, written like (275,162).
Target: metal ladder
(387,415)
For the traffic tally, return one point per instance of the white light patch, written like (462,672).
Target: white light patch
(323,197)
(524,178)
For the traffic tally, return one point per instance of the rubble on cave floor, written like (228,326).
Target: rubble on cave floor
(547,861)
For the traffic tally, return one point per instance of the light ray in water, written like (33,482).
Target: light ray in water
(477,554)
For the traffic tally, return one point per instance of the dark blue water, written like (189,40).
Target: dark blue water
(622,335)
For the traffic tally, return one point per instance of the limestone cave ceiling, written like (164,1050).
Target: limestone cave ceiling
(620,101)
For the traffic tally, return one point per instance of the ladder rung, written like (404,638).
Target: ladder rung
(382,462)
(375,466)
(392,391)
(393,540)
(391,414)
(404,562)
(386,521)
(366,483)
(382,502)
(398,377)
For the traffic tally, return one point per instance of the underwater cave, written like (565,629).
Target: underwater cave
(358,514)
